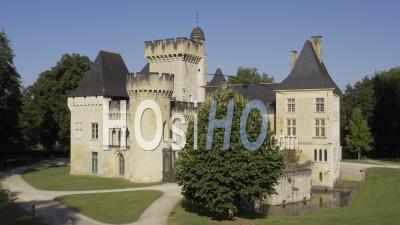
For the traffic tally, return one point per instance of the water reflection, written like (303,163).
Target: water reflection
(320,200)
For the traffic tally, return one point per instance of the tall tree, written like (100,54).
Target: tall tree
(359,138)
(250,76)
(216,178)
(361,95)
(46,118)
(10,100)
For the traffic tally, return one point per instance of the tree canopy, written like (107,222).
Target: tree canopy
(45,114)
(10,100)
(250,76)
(216,178)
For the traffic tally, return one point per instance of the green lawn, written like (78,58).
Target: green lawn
(11,214)
(58,179)
(374,161)
(390,161)
(114,207)
(377,203)
(365,161)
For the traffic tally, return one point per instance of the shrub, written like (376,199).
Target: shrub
(215,179)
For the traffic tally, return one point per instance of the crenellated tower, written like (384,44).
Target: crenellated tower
(186,59)
(149,107)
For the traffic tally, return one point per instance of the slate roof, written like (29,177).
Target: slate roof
(145,69)
(308,73)
(218,78)
(106,77)
(216,82)
(264,92)
(197,34)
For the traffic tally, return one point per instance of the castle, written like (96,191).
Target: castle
(105,132)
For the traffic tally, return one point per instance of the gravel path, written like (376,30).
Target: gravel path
(54,213)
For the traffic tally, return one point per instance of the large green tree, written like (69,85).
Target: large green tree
(216,178)
(361,95)
(45,114)
(359,138)
(10,100)
(250,76)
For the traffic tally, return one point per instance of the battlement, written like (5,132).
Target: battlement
(150,83)
(171,47)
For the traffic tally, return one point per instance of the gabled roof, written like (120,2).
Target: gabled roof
(308,73)
(106,77)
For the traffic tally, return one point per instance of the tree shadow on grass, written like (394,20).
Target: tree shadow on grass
(200,210)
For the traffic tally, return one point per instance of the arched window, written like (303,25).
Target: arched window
(119,137)
(127,137)
(325,155)
(320,176)
(165,132)
(315,155)
(121,165)
(320,155)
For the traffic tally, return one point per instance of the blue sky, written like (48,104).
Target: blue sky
(359,37)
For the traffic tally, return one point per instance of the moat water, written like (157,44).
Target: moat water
(320,200)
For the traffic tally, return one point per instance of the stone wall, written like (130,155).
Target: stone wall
(293,186)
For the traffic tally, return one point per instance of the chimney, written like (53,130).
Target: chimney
(293,58)
(317,44)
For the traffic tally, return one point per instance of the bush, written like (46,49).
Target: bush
(216,179)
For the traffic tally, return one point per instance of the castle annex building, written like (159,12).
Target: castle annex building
(303,110)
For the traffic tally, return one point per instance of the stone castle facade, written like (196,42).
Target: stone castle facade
(105,135)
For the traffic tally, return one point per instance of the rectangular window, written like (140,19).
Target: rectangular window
(291,127)
(95,130)
(319,105)
(320,127)
(291,105)
(94,162)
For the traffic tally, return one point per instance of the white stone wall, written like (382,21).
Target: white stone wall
(147,165)
(84,112)
(305,115)
(185,59)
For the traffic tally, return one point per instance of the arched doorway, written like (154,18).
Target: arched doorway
(121,165)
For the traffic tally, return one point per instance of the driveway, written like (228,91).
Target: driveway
(54,213)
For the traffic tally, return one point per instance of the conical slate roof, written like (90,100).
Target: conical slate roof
(106,77)
(308,73)
(216,82)
(218,78)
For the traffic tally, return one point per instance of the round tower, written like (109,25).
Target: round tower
(149,108)
(197,35)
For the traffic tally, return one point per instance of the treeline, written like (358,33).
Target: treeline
(378,98)
(36,117)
